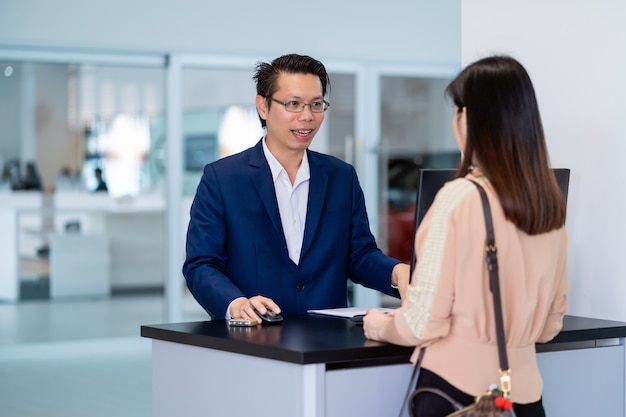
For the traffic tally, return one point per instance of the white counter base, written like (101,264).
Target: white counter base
(195,381)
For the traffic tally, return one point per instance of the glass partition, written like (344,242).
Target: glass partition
(415,133)
(340,118)
(68,119)
(62,120)
(219,118)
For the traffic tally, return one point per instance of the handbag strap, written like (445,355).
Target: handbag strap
(494,285)
(414,376)
(454,403)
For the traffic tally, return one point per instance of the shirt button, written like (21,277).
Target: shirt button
(299,286)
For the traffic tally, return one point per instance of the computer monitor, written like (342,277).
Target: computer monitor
(431,180)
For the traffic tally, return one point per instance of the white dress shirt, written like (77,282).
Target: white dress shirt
(292,201)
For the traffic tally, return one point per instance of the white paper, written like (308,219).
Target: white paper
(347,311)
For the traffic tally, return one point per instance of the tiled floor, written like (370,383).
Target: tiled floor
(80,358)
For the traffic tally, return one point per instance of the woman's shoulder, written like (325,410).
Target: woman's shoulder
(456,199)
(456,192)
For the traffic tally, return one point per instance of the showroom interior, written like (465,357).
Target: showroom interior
(150,93)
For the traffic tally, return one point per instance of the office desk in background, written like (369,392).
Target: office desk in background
(314,366)
(113,244)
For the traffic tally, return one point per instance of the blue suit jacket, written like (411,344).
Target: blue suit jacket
(236,246)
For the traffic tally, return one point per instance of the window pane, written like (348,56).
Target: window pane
(340,117)
(219,118)
(66,119)
(416,133)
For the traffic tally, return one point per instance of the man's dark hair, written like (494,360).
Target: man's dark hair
(266,74)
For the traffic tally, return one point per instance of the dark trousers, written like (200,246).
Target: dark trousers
(432,405)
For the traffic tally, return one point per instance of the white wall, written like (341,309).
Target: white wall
(575,53)
(393,30)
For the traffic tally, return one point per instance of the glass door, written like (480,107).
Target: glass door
(64,117)
(415,133)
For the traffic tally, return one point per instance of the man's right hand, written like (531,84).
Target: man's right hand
(245,307)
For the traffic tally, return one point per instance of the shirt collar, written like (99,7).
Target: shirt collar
(304,172)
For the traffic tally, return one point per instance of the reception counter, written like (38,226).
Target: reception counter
(323,366)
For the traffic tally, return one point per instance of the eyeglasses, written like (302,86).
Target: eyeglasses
(295,106)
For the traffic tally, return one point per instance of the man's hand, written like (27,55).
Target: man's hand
(244,307)
(400,277)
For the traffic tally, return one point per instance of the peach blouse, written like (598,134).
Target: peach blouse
(449,306)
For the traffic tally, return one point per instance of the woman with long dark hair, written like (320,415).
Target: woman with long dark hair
(448,306)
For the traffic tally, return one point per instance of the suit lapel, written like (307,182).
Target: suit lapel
(262,179)
(317,195)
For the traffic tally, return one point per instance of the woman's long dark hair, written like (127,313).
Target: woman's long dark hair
(505,139)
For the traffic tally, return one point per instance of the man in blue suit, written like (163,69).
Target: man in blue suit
(280,227)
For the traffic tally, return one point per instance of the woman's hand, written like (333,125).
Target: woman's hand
(374,323)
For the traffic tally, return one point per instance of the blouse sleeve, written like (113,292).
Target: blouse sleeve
(554,321)
(426,314)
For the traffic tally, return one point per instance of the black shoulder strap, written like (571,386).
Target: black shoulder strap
(494,282)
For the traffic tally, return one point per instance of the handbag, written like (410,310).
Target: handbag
(494,402)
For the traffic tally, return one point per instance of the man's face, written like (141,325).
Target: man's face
(287,131)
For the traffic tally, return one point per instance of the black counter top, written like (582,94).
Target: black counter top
(299,339)
(579,329)
(332,340)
